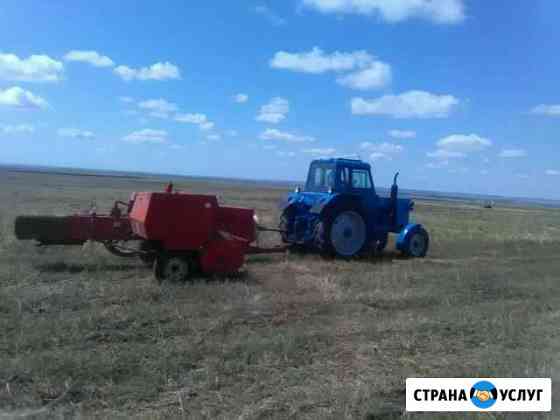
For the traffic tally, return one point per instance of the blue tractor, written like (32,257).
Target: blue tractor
(340,214)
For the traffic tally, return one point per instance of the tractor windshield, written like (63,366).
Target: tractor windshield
(321,178)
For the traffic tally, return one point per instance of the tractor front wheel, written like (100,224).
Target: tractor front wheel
(172,268)
(418,244)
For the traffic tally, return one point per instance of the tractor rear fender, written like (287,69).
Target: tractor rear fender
(406,234)
(325,205)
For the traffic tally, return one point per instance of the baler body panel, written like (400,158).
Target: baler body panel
(179,221)
(182,222)
(238,222)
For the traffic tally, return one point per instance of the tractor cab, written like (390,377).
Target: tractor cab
(340,213)
(339,176)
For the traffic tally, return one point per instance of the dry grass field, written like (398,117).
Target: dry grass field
(84,334)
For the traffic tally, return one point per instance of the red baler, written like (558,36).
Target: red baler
(177,233)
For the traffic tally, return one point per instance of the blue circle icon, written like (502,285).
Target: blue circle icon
(483,394)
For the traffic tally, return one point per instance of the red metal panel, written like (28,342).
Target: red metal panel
(180,221)
(223,256)
(237,221)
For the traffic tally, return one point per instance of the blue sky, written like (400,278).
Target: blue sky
(457,95)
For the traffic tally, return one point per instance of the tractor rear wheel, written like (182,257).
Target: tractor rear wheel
(341,233)
(172,268)
(286,220)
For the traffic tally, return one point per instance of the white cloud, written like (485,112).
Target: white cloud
(126,99)
(523,176)
(444,154)
(159,108)
(552,172)
(270,147)
(191,118)
(285,154)
(457,146)
(208,125)
(438,164)
(402,134)
(381,150)
(411,104)
(512,153)
(275,111)
(17,97)
(157,71)
(269,15)
(241,98)
(35,68)
(388,148)
(198,119)
(213,137)
(438,11)
(464,143)
(375,156)
(16,129)
(75,133)
(320,151)
(147,135)
(317,62)
(90,57)
(366,71)
(274,134)
(548,110)
(376,76)
(232,133)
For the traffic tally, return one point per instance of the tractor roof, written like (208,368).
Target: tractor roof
(354,163)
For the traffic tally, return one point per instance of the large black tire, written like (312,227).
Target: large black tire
(119,248)
(173,268)
(286,223)
(148,255)
(417,244)
(348,226)
(381,243)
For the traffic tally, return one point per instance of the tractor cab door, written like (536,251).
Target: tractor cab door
(358,181)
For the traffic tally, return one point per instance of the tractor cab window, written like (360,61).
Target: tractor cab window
(361,179)
(321,178)
(344,177)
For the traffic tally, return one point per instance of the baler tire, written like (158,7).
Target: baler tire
(172,268)
(147,256)
(113,248)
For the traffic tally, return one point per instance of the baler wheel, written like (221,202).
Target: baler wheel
(119,248)
(172,268)
(147,256)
